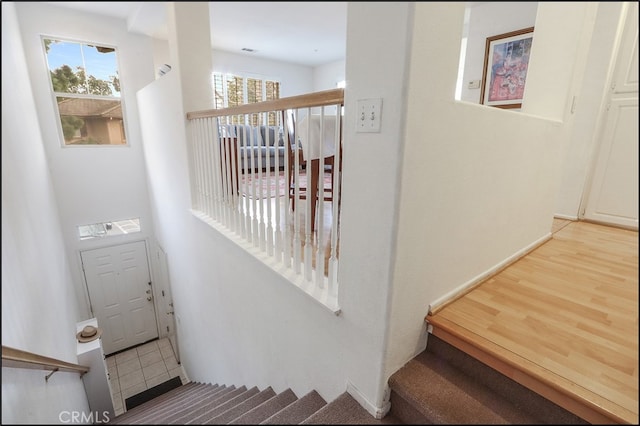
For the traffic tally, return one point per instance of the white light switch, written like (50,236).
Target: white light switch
(473,84)
(369,115)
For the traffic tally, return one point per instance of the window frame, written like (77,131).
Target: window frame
(245,92)
(55,95)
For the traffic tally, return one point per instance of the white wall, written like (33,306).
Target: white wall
(327,76)
(39,307)
(97,183)
(487,19)
(295,79)
(478,183)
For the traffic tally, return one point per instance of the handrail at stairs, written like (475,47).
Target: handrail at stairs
(17,358)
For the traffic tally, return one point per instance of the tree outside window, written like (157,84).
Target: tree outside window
(85,82)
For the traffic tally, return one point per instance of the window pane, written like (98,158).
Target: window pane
(107,229)
(88,121)
(85,82)
(82,68)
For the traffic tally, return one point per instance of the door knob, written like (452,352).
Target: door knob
(149,291)
(170,313)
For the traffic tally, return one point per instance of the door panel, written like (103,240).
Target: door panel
(119,286)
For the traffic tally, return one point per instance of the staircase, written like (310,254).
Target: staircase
(200,403)
(442,385)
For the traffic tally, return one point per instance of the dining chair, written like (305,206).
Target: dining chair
(311,167)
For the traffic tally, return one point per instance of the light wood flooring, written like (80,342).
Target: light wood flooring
(563,321)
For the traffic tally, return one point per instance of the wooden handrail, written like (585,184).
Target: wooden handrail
(17,358)
(316,99)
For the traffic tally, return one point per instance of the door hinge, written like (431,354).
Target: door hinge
(167,329)
(162,293)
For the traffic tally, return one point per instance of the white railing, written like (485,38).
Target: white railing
(249,168)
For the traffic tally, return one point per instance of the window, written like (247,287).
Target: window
(232,90)
(108,229)
(85,83)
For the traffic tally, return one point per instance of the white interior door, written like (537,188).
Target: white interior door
(166,316)
(119,286)
(613,194)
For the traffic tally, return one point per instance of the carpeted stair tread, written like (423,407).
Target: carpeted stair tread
(202,405)
(142,408)
(170,406)
(298,411)
(243,407)
(345,410)
(523,398)
(204,401)
(451,396)
(266,409)
(226,402)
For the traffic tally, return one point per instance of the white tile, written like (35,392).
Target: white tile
(167,352)
(117,401)
(111,361)
(164,343)
(150,358)
(134,390)
(129,367)
(113,372)
(179,372)
(171,363)
(126,356)
(157,380)
(131,380)
(154,370)
(147,347)
(115,385)
(119,411)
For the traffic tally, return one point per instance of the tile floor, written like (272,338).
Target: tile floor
(141,368)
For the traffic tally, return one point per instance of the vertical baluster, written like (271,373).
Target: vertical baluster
(320,207)
(278,199)
(200,168)
(219,134)
(246,173)
(308,244)
(193,141)
(208,160)
(269,181)
(297,226)
(336,186)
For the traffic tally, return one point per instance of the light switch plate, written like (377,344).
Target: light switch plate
(369,115)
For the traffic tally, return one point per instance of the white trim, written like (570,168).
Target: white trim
(377,412)
(452,295)
(565,216)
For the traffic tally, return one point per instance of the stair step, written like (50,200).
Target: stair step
(345,410)
(266,409)
(243,407)
(442,394)
(142,408)
(230,400)
(298,411)
(203,402)
(443,385)
(170,406)
(518,395)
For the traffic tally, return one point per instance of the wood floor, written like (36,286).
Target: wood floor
(562,320)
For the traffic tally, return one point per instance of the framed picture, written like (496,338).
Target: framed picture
(506,62)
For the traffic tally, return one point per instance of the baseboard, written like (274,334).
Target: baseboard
(377,412)
(469,285)
(565,216)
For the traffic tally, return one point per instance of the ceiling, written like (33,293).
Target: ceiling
(305,33)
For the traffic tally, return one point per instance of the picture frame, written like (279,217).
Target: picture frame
(506,62)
